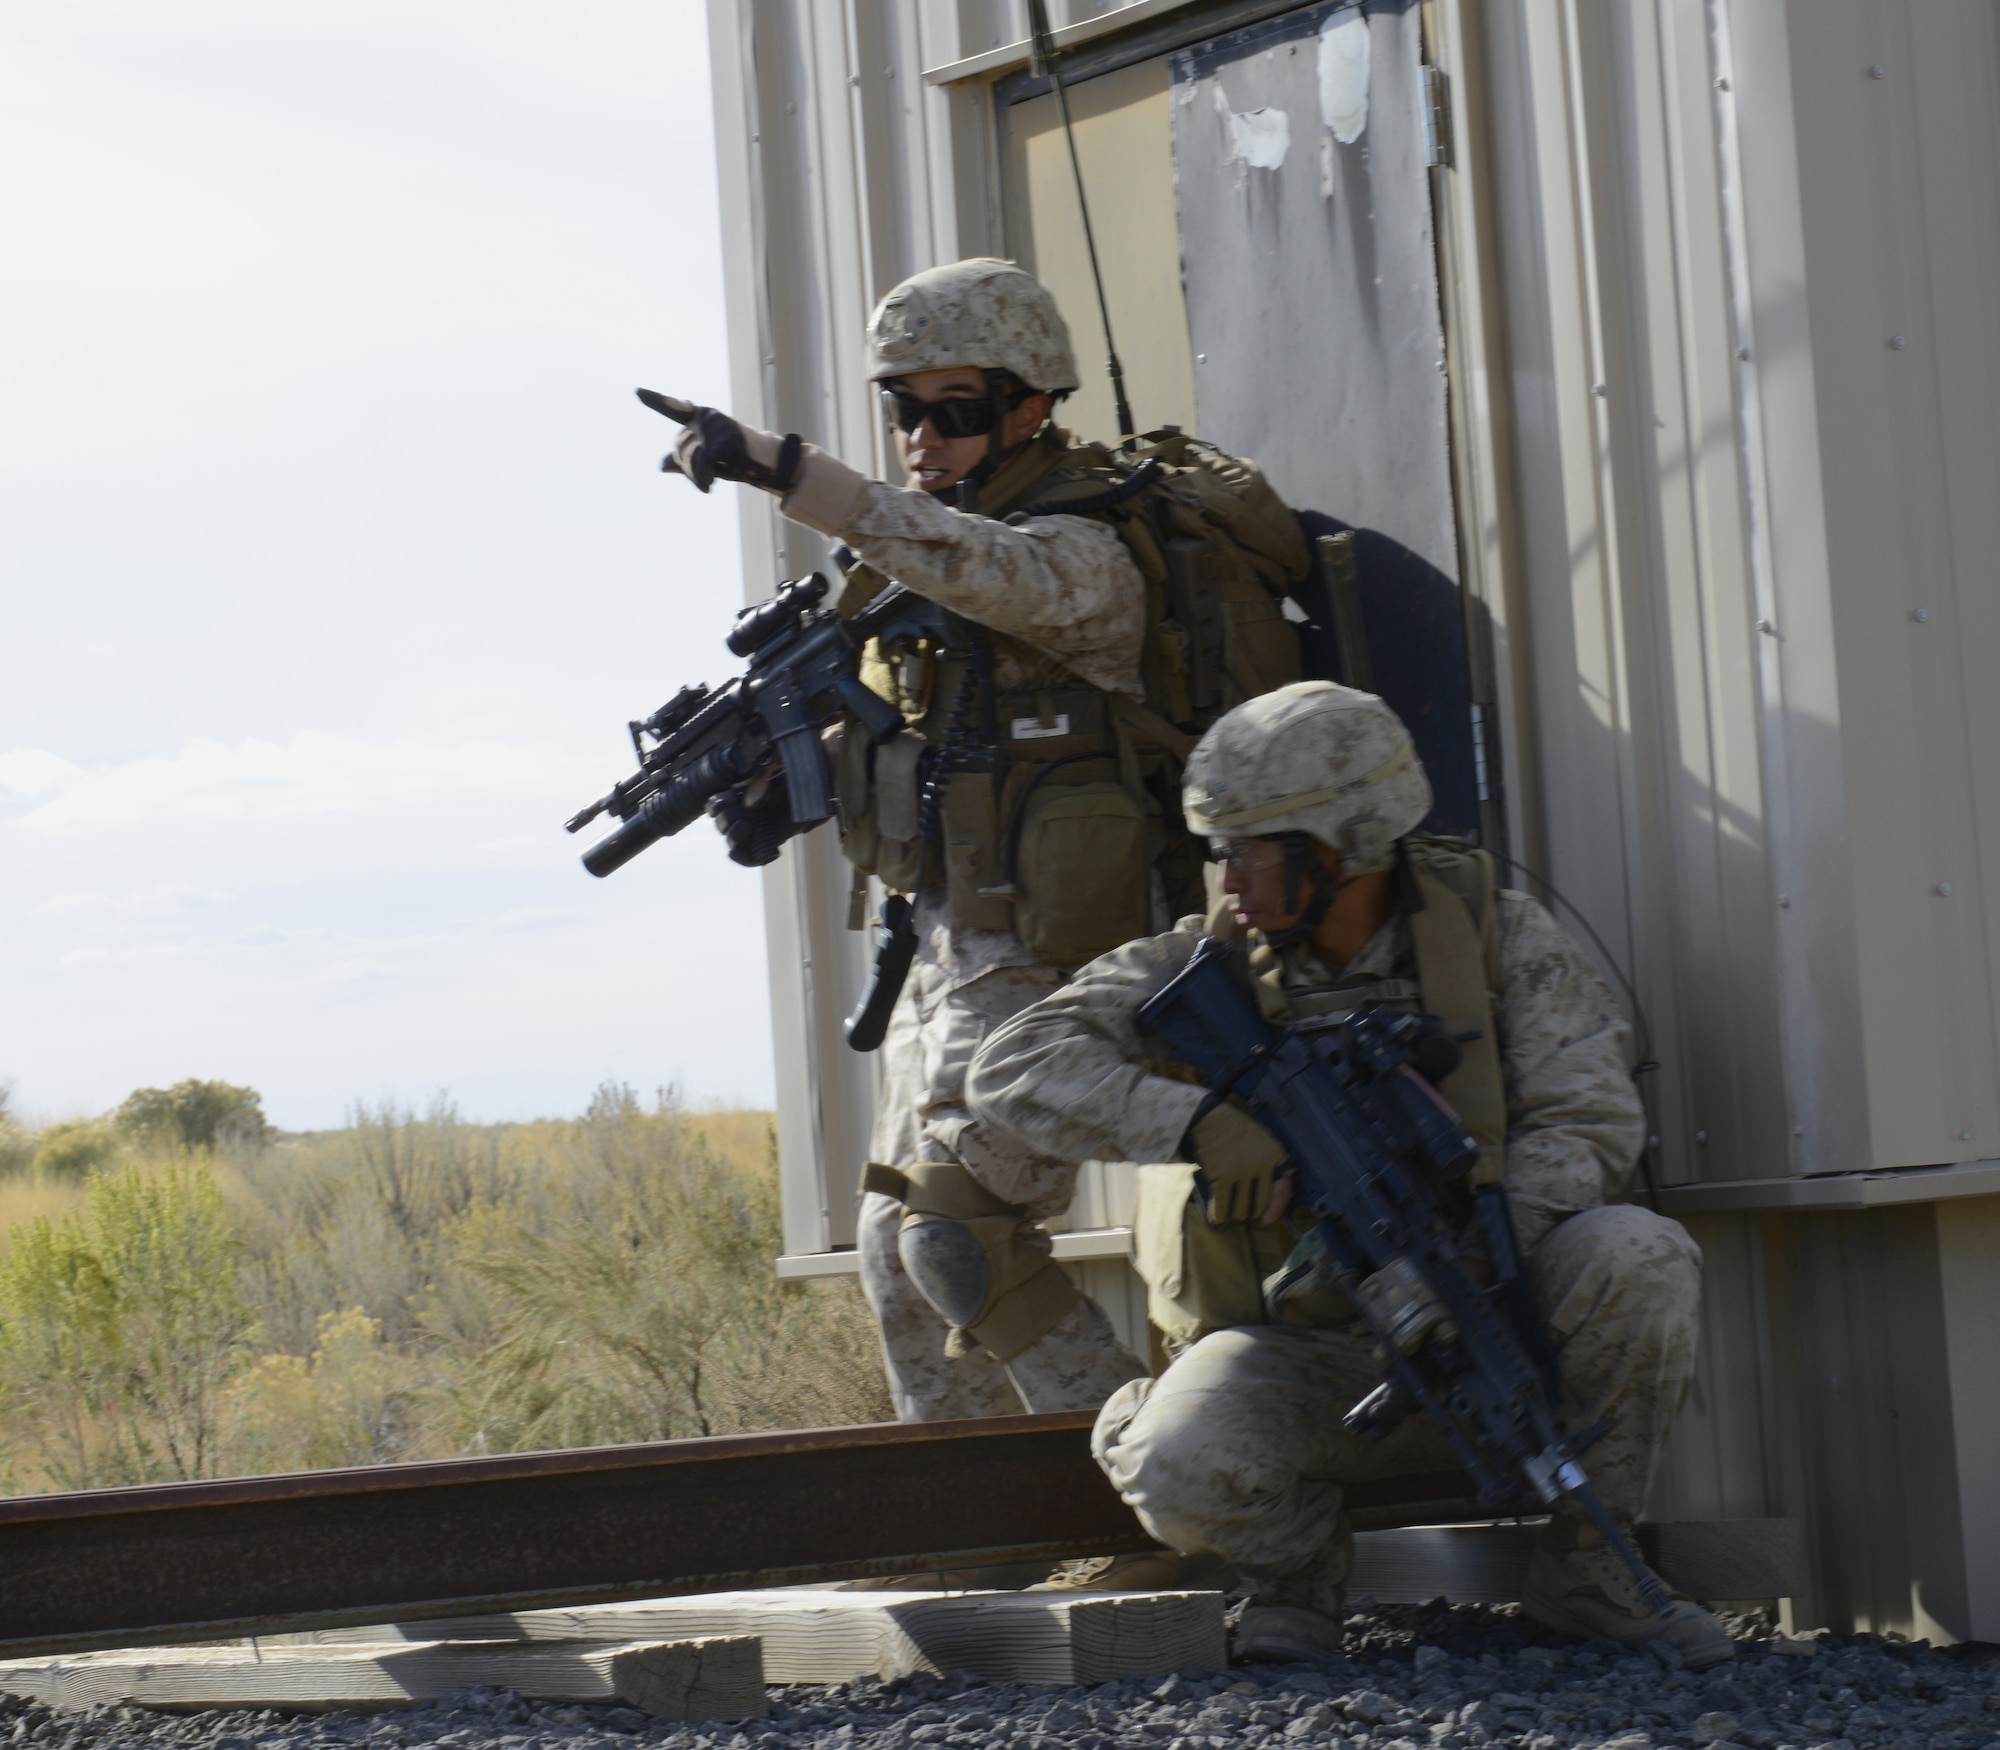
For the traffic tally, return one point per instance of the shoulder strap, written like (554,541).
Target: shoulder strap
(1456,938)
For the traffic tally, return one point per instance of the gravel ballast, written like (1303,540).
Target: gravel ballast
(1412,1678)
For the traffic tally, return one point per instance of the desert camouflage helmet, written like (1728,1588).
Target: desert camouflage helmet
(985,313)
(1314,758)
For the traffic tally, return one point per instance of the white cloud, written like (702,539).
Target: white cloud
(314,774)
(28,772)
(532,917)
(119,956)
(171,899)
(358,972)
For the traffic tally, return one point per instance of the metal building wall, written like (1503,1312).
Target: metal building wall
(1719,278)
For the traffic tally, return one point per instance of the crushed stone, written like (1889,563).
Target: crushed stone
(1431,1677)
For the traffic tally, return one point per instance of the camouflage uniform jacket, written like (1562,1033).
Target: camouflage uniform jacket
(1072,1076)
(1064,584)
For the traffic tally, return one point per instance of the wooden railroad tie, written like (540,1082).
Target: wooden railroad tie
(705,1678)
(812,1636)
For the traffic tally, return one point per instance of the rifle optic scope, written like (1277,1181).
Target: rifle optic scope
(757,626)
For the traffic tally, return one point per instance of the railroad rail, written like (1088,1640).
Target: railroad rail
(461,1537)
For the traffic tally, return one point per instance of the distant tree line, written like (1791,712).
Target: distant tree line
(191,1115)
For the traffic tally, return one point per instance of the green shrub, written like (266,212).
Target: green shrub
(75,1148)
(120,1324)
(194,1115)
(640,1302)
(17,1143)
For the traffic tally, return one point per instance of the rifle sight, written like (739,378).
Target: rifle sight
(755,627)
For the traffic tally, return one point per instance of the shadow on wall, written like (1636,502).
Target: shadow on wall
(1412,622)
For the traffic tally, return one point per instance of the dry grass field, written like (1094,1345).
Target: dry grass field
(411,1285)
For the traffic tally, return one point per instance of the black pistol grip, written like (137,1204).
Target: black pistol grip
(895,949)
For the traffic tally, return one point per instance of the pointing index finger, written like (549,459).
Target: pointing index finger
(671,406)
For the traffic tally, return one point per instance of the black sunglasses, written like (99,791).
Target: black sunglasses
(971,417)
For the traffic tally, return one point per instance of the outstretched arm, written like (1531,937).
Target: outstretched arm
(1064,584)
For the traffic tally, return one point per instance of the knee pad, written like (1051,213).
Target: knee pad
(987,1270)
(948,1264)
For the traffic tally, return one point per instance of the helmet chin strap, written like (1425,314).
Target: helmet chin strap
(965,492)
(1304,869)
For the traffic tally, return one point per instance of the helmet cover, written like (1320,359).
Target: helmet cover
(1315,758)
(985,313)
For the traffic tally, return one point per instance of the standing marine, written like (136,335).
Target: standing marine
(1309,797)
(1100,608)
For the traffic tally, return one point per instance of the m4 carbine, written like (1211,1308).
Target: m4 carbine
(1374,1145)
(749,752)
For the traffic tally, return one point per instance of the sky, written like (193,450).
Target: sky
(334,555)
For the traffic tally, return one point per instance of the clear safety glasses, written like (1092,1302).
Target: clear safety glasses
(1247,856)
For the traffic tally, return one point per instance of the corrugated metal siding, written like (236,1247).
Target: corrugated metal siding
(1712,212)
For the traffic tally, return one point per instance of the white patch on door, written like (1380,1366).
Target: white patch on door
(1343,74)
(1260,137)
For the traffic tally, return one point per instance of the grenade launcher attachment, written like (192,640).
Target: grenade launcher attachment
(1374,1145)
(748,753)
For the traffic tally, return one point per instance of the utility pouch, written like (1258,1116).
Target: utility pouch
(893,814)
(972,854)
(1262,644)
(1080,872)
(1199,1278)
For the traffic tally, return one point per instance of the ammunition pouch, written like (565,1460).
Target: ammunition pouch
(988,1270)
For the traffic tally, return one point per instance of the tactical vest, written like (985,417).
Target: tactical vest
(1061,801)
(1201,1278)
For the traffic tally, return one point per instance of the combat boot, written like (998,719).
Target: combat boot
(1578,1585)
(1153,1570)
(1296,1616)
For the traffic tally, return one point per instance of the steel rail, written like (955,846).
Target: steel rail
(460,1537)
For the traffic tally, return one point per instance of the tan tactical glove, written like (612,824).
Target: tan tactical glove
(1239,1161)
(713,447)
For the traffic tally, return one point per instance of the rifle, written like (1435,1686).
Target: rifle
(749,754)
(1373,1144)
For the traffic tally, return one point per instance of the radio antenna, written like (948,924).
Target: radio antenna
(1046,65)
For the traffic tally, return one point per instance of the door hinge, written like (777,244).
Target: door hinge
(1437,117)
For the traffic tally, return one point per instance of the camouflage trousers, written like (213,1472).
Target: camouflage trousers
(1237,1449)
(964,984)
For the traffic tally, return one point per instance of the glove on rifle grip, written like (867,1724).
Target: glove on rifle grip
(895,948)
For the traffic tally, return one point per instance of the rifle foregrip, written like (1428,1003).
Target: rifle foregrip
(895,948)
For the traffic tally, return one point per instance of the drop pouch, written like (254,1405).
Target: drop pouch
(1080,872)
